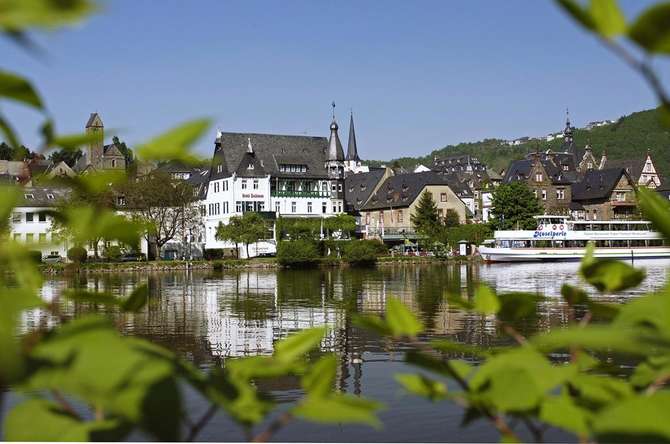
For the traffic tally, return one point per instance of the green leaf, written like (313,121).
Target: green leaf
(651,29)
(593,337)
(320,377)
(636,419)
(9,196)
(573,295)
(91,297)
(422,386)
(608,18)
(10,134)
(516,305)
(458,370)
(338,409)
(560,411)
(15,87)
(609,275)
(72,142)
(296,345)
(45,14)
(522,370)
(400,320)
(598,391)
(578,13)
(486,301)
(371,322)
(656,209)
(42,420)
(137,299)
(175,144)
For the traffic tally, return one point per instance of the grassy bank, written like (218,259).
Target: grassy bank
(228,264)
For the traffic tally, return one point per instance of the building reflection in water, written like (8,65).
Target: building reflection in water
(208,317)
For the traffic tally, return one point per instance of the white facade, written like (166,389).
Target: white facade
(33,227)
(233,196)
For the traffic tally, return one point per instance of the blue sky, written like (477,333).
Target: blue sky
(418,74)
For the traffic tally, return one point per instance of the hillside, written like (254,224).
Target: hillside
(629,137)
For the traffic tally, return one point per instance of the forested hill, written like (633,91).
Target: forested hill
(628,138)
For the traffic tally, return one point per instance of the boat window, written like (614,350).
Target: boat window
(637,243)
(655,242)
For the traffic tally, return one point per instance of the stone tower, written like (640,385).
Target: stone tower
(335,166)
(95,150)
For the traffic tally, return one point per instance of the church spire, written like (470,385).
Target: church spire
(352,149)
(335,151)
(567,132)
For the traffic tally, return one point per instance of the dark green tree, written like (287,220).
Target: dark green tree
(451,219)
(127,152)
(513,207)
(68,156)
(425,219)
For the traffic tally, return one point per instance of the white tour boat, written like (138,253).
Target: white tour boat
(557,238)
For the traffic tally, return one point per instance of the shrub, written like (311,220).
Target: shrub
(77,254)
(35,255)
(213,254)
(361,252)
(297,252)
(112,253)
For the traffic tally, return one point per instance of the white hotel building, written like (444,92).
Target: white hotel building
(290,176)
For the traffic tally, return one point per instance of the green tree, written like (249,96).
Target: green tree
(451,219)
(163,204)
(342,224)
(246,229)
(425,218)
(513,206)
(70,157)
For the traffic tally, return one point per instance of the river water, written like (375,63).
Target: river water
(208,317)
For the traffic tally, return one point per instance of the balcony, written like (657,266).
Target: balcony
(305,194)
(392,233)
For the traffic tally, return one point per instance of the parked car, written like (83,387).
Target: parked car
(52,258)
(133,257)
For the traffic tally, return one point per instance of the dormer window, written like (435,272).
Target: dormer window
(251,166)
(219,168)
(29,196)
(50,196)
(538,177)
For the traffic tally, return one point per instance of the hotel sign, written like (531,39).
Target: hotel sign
(252,196)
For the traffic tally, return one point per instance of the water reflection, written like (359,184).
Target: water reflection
(208,317)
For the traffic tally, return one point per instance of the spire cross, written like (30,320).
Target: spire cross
(333,105)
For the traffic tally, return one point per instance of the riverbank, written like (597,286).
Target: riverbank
(231,264)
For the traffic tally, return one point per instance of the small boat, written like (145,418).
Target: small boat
(558,238)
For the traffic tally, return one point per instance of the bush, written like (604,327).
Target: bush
(35,255)
(213,254)
(112,253)
(77,254)
(297,252)
(361,252)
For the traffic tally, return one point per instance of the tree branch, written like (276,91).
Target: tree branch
(202,422)
(274,427)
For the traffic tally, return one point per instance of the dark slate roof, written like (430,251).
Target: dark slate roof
(597,184)
(401,190)
(335,151)
(43,197)
(91,120)
(457,163)
(352,149)
(250,166)
(272,150)
(633,167)
(520,169)
(359,187)
(111,150)
(199,180)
